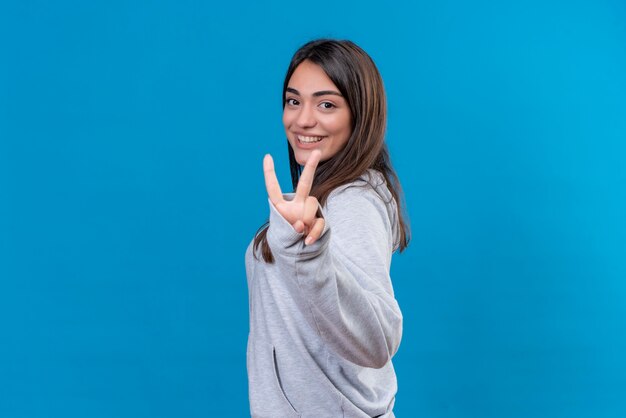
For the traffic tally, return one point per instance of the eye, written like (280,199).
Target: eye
(327,105)
(292,102)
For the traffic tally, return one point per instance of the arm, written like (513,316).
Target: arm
(344,276)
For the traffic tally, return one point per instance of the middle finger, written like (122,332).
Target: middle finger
(308,173)
(311,206)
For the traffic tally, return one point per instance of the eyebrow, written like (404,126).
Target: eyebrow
(317,93)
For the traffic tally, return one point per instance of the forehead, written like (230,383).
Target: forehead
(309,78)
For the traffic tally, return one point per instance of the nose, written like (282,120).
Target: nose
(306,117)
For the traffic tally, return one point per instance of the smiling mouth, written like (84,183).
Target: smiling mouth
(309,139)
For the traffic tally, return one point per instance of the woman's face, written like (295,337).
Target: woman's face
(316,115)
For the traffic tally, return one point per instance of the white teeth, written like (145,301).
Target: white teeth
(309,139)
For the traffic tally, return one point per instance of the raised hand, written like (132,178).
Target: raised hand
(301,212)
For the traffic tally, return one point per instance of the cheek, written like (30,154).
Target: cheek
(342,131)
(344,134)
(287,118)
(340,125)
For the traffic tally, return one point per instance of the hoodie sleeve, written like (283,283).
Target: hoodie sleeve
(344,276)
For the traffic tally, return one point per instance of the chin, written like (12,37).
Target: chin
(302,156)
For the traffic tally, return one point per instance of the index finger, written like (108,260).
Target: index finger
(308,173)
(271,182)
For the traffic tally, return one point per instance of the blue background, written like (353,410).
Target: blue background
(131,141)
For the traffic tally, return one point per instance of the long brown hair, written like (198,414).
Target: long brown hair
(358,80)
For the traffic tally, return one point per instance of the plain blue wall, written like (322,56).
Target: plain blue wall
(131,142)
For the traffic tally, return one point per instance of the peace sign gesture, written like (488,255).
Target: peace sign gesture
(302,210)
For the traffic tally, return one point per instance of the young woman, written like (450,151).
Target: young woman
(324,323)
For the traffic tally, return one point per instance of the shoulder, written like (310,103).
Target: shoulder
(367,196)
(370,184)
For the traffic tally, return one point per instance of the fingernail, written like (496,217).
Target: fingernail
(308,241)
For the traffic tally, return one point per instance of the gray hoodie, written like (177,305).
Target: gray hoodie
(324,323)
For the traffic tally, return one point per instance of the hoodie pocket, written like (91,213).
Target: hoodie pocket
(279,386)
